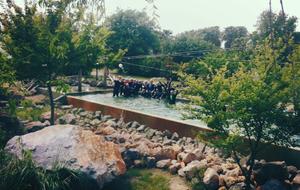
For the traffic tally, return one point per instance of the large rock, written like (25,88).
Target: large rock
(67,119)
(264,172)
(163,164)
(74,148)
(186,157)
(273,184)
(192,169)
(47,116)
(211,179)
(296,182)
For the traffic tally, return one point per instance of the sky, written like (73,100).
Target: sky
(183,15)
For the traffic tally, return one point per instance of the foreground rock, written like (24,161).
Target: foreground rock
(74,148)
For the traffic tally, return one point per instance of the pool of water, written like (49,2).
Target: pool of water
(148,106)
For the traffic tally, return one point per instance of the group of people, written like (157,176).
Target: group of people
(147,89)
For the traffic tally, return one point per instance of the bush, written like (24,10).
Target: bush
(9,127)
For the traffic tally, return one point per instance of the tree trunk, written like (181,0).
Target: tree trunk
(79,80)
(105,75)
(282,9)
(51,102)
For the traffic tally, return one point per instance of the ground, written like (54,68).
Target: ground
(148,179)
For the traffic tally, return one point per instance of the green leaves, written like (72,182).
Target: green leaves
(249,102)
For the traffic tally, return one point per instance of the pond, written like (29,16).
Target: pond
(148,106)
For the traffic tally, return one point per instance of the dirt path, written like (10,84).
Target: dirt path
(175,183)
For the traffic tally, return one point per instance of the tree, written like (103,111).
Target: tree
(232,33)
(7,74)
(248,104)
(186,47)
(31,40)
(212,35)
(134,31)
(281,25)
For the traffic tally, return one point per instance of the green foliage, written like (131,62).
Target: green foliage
(211,63)
(133,31)
(232,33)
(61,86)
(23,174)
(9,127)
(12,107)
(248,104)
(190,46)
(7,74)
(280,25)
(31,113)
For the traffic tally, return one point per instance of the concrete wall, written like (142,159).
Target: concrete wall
(154,122)
(269,153)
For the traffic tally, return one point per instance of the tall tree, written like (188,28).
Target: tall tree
(31,40)
(232,33)
(247,104)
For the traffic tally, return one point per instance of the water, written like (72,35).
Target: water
(149,106)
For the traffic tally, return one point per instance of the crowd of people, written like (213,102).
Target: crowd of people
(147,89)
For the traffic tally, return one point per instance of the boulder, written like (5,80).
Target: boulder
(229,181)
(293,171)
(273,184)
(135,124)
(95,122)
(97,115)
(163,164)
(186,157)
(167,134)
(105,131)
(238,186)
(198,153)
(150,133)
(191,169)
(168,152)
(211,179)
(296,180)
(131,154)
(66,107)
(67,119)
(150,162)
(234,172)
(47,116)
(174,168)
(264,172)
(74,148)
(141,128)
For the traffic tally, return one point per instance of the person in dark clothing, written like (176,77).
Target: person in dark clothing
(173,95)
(122,87)
(158,91)
(127,89)
(117,85)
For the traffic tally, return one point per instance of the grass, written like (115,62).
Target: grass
(16,174)
(29,112)
(139,179)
